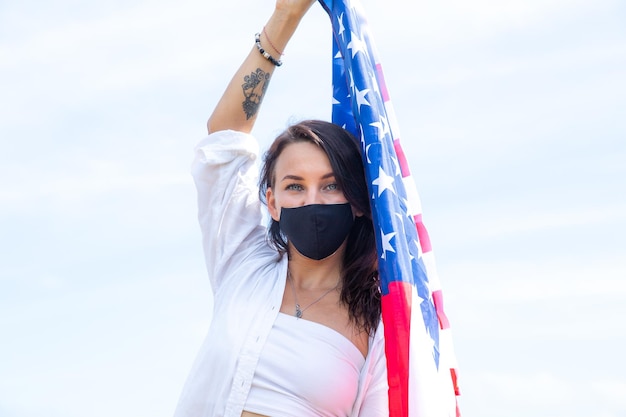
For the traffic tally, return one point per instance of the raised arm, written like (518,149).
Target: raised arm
(240,103)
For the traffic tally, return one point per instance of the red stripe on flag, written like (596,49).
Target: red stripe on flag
(381,82)
(441,314)
(396,309)
(404,165)
(422,234)
(457,391)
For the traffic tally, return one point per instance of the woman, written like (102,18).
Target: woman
(296,327)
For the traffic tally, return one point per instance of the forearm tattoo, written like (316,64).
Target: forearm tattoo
(254,88)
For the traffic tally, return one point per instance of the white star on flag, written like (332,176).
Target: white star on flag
(382,127)
(386,242)
(360,97)
(356,44)
(341,27)
(384,182)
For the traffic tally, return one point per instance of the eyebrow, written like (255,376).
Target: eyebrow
(298,178)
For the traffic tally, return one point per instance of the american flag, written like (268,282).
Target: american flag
(421,365)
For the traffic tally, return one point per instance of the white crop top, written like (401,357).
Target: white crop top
(307,370)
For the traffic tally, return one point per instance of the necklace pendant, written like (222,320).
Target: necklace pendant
(298,311)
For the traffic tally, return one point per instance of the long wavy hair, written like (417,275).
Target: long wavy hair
(361,286)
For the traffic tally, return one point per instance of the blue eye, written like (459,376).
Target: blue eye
(294,187)
(332,187)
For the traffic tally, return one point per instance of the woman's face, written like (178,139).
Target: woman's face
(302,176)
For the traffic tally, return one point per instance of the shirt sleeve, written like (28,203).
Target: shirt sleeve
(225,173)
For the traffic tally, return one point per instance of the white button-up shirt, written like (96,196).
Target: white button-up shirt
(248,280)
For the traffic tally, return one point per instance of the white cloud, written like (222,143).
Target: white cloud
(491,280)
(610,391)
(434,24)
(516,221)
(101,178)
(544,393)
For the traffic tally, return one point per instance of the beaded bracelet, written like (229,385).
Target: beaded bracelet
(266,55)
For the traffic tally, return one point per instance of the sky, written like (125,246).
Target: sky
(513,118)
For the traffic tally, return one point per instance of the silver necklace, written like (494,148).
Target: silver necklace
(300,310)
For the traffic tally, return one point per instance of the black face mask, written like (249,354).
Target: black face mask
(317,230)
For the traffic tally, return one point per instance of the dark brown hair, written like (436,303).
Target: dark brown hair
(361,287)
